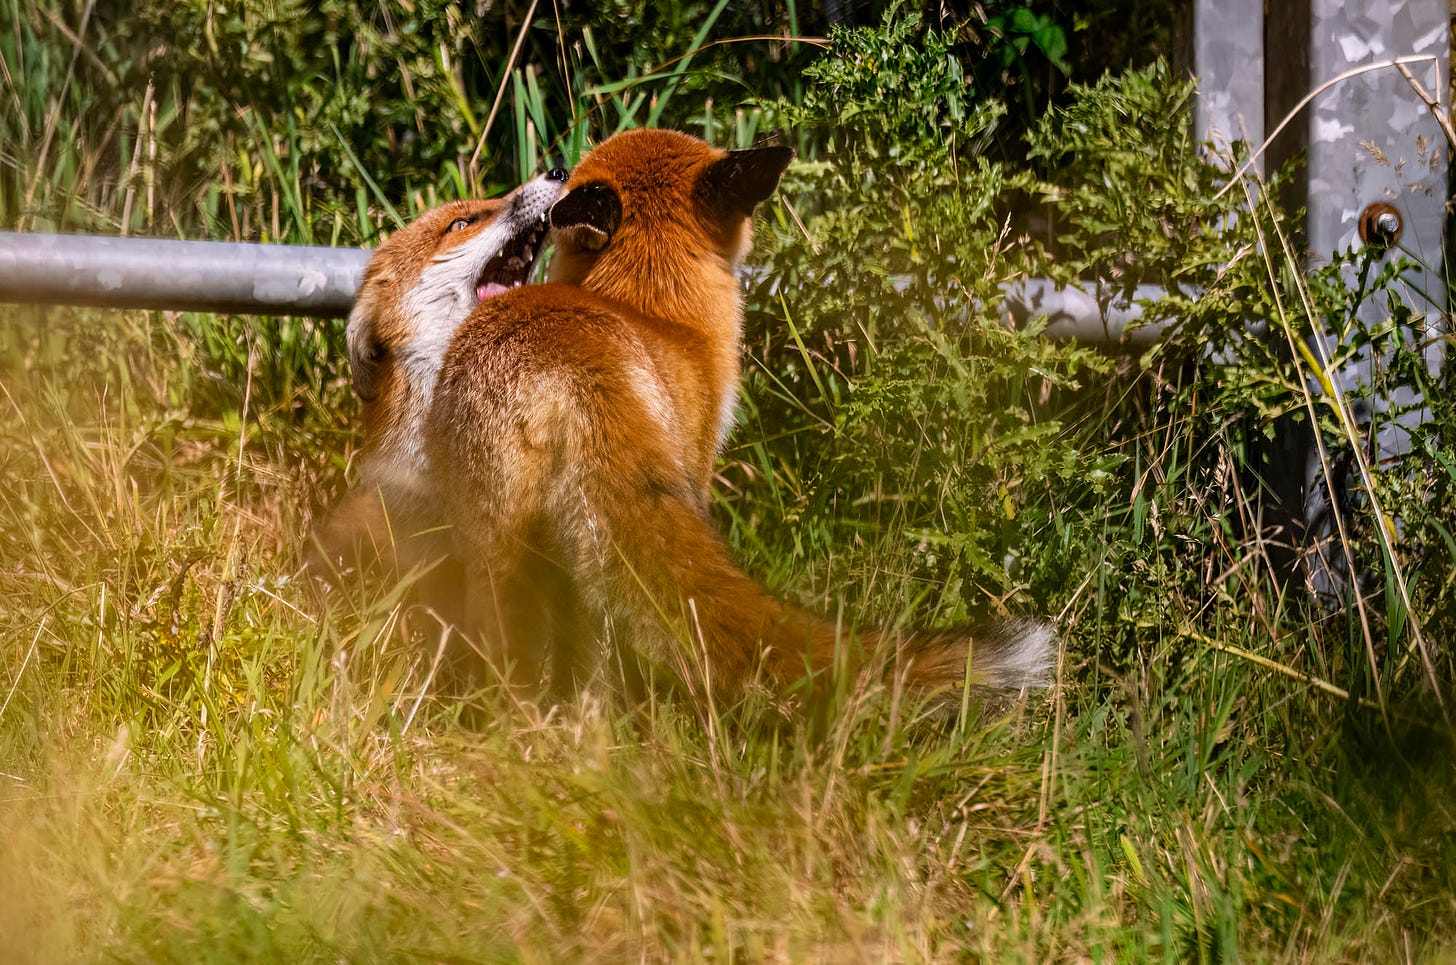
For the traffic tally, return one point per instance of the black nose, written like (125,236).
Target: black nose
(557,174)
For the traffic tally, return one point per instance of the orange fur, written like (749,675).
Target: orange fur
(418,286)
(574,427)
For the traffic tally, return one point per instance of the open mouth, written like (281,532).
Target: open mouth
(512,267)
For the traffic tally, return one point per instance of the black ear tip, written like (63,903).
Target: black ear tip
(741,179)
(595,206)
(779,157)
(770,153)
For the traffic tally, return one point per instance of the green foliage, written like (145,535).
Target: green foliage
(896,384)
(1132,201)
(1026,29)
(989,464)
(203,759)
(309,122)
(888,345)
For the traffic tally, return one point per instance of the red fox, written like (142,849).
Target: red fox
(572,431)
(417,288)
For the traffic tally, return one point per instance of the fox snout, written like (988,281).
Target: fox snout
(422,282)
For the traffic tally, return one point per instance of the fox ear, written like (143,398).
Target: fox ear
(366,355)
(590,214)
(734,184)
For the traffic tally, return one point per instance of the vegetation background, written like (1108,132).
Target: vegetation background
(200,759)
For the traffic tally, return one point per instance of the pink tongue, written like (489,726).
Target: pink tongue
(490,289)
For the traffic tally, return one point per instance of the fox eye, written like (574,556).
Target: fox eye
(460,224)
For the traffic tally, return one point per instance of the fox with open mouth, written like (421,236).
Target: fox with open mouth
(557,442)
(418,287)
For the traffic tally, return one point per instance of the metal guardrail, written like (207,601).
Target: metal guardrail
(1074,313)
(200,276)
(261,279)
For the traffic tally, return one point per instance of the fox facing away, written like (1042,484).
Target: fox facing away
(566,436)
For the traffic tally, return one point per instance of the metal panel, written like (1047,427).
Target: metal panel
(1228,56)
(1372,139)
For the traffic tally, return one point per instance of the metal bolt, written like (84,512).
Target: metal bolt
(1380,225)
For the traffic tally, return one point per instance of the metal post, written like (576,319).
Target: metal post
(1231,41)
(1377,153)
(1228,56)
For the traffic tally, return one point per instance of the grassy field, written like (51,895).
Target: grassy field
(204,758)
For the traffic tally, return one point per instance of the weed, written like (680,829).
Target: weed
(201,758)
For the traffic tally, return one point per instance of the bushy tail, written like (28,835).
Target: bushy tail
(568,469)
(670,577)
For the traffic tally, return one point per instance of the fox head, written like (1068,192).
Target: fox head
(664,207)
(417,289)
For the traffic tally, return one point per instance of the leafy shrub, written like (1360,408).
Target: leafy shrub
(896,383)
(200,757)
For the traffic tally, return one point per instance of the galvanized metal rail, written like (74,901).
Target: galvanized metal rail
(255,279)
(1079,313)
(200,276)
(1402,173)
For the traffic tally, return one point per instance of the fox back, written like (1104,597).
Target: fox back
(573,432)
(654,224)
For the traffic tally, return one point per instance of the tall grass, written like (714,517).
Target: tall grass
(204,758)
